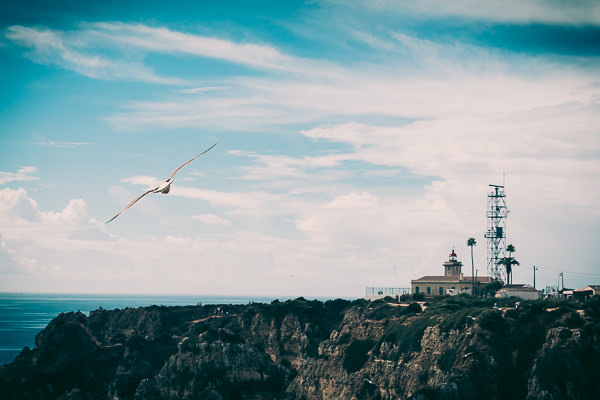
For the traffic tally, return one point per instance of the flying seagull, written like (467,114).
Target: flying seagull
(163,187)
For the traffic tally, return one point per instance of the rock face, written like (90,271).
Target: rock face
(457,348)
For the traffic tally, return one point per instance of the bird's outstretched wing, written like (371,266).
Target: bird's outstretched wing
(189,161)
(156,188)
(132,203)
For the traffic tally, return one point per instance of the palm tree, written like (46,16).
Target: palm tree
(471,242)
(511,249)
(508,263)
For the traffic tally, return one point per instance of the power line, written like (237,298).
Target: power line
(568,272)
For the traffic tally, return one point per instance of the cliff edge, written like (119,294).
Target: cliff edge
(453,348)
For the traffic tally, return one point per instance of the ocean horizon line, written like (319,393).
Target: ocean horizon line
(73,295)
(24,314)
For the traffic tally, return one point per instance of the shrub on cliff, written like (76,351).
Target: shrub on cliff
(491,288)
(492,321)
(446,361)
(412,308)
(356,355)
(312,311)
(405,334)
(380,309)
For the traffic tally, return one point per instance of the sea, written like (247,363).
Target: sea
(24,315)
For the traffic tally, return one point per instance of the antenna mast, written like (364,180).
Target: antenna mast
(496,229)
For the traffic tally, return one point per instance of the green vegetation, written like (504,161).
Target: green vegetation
(323,315)
(357,354)
(137,352)
(491,288)
(381,309)
(406,334)
(447,359)
(508,263)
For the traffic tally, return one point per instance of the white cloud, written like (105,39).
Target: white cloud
(163,40)
(143,180)
(248,201)
(551,157)
(255,103)
(64,251)
(54,143)
(20,213)
(555,139)
(438,80)
(202,90)
(23,174)
(578,12)
(85,51)
(68,50)
(354,201)
(212,219)
(303,227)
(288,171)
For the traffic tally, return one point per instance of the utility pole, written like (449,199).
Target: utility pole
(534,269)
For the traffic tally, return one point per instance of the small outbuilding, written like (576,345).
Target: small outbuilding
(520,290)
(587,292)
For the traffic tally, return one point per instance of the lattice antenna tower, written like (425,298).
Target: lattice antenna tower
(496,230)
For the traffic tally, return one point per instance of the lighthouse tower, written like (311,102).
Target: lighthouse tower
(453,267)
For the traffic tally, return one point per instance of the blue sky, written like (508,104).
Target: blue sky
(355,143)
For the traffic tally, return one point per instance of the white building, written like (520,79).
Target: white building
(453,281)
(520,290)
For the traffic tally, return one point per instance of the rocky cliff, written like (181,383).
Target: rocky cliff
(453,348)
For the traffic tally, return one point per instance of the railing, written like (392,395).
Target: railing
(386,291)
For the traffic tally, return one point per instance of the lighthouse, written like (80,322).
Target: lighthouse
(453,281)
(453,267)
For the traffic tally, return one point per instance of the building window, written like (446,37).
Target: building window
(428,289)
(441,291)
(416,289)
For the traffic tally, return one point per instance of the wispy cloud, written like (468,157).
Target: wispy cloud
(143,180)
(447,116)
(202,90)
(440,79)
(23,174)
(212,219)
(98,51)
(70,51)
(163,40)
(257,103)
(54,143)
(534,11)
